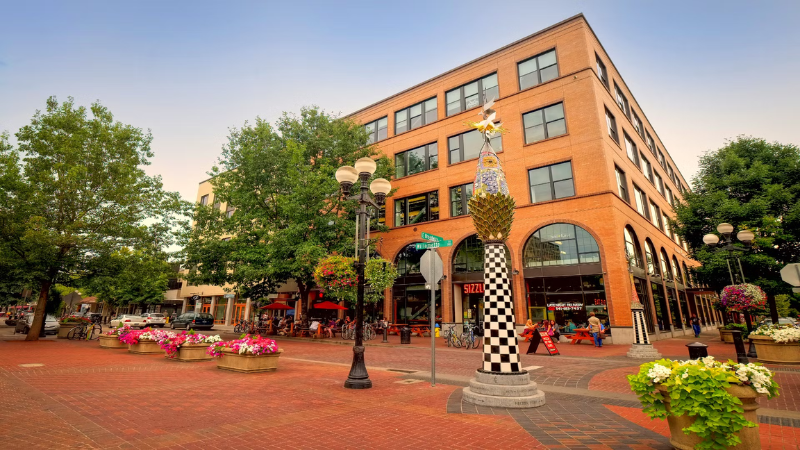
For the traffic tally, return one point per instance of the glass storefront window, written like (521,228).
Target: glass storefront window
(567,299)
(469,256)
(560,244)
(674,309)
(661,306)
(412,303)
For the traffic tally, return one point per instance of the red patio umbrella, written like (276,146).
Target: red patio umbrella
(277,306)
(328,305)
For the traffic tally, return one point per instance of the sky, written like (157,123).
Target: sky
(189,71)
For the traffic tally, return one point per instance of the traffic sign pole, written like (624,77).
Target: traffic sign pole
(433,320)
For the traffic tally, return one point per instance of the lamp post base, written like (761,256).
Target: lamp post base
(358,378)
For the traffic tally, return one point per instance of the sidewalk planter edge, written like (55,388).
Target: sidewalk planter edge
(247,363)
(145,347)
(770,351)
(193,352)
(65,328)
(111,341)
(726,336)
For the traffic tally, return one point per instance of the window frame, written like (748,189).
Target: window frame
(640,196)
(552,182)
(612,126)
(601,67)
(645,164)
(463,99)
(637,123)
(464,200)
(634,150)
(659,183)
(405,203)
(424,115)
(626,106)
(622,180)
(428,155)
(655,215)
(377,129)
(651,144)
(204,200)
(545,122)
(538,69)
(461,146)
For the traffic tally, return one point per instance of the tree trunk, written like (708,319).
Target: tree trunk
(304,291)
(38,316)
(773,309)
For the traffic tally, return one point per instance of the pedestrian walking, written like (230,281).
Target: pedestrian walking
(695,325)
(595,327)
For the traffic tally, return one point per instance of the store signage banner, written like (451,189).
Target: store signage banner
(543,338)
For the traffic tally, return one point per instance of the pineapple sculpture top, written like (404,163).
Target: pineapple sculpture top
(491,206)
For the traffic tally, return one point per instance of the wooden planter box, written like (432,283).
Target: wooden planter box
(749,436)
(145,347)
(770,351)
(248,363)
(65,328)
(193,352)
(726,336)
(111,341)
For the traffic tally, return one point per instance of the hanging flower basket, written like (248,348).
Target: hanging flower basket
(251,354)
(336,276)
(708,404)
(777,344)
(744,298)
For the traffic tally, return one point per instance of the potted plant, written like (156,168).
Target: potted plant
(144,342)
(726,335)
(777,344)
(250,354)
(68,323)
(188,346)
(708,404)
(111,338)
(744,298)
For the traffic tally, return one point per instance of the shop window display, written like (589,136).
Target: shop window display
(560,244)
(567,299)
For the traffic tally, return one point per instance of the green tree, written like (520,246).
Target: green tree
(289,213)
(75,187)
(751,184)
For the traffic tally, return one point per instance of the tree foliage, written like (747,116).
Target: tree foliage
(751,184)
(74,188)
(288,210)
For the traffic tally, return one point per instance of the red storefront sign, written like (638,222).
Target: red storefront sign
(473,288)
(542,337)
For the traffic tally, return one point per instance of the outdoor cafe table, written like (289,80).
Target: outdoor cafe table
(581,334)
(415,329)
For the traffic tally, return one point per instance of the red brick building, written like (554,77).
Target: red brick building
(591,179)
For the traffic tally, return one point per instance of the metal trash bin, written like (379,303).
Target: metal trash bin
(697,350)
(405,335)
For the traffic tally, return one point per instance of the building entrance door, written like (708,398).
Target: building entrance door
(206,307)
(238,312)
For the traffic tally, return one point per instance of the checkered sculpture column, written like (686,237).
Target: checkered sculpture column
(500,349)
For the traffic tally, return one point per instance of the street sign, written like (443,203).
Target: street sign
(230,295)
(431,259)
(791,274)
(432,237)
(427,245)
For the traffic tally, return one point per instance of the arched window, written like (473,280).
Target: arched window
(665,266)
(687,276)
(469,256)
(677,271)
(560,244)
(632,251)
(650,254)
(407,261)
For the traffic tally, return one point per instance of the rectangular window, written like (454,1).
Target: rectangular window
(204,200)
(537,70)
(472,94)
(641,201)
(622,184)
(601,70)
(459,198)
(416,160)
(670,198)
(637,124)
(416,209)
(612,126)
(671,173)
(659,184)
(377,130)
(415,116)
(655,215)
(661,159)
(544,123)
(650,143)
(665,224)
(229,211)
(622,101)
(647,169)
(466,146)
(381,217)
(551,182)
(630,147)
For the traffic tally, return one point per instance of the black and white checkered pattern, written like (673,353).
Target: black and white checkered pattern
(500,350)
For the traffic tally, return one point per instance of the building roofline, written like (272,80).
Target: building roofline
(518,41)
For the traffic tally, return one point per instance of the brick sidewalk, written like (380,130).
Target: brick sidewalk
(94,398)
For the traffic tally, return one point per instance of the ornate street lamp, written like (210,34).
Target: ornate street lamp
(347,176)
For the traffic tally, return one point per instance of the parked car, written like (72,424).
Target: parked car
(155,320)
(194,321)
(130,320)
(51,325)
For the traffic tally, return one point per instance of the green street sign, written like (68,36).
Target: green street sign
(427,245)
(432,237)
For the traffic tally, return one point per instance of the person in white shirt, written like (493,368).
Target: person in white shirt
(314,325)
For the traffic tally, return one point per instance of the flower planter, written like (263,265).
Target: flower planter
(770,351)
(248,363)
(145,347)
(111,341)
(749,436)
(65,328)
(726,336)
(193,352)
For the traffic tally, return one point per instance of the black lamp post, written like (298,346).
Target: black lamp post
(347,176)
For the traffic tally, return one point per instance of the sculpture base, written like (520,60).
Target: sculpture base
(503,390)
(643,351)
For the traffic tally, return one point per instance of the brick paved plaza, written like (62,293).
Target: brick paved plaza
(67,394)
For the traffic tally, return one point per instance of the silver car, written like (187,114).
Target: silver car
(51,325)
(129,320)
(155,320)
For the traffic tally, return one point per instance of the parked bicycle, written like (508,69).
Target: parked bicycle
(469,337)
(86,331)
(452,339)
(241,326)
